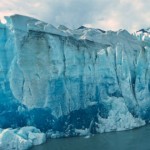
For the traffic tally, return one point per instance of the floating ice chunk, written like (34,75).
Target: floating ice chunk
(21,139)
(37,138)
(82,132)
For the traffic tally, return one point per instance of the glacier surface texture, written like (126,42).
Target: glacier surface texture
(72,82)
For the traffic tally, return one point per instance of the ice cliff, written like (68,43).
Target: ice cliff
(72,81)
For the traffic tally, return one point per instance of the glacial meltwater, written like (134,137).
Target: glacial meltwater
(137,139)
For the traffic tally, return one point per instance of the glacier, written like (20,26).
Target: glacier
(72,82)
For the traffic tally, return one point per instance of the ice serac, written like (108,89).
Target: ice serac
(67,80)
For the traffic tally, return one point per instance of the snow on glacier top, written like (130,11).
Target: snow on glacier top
(24,23)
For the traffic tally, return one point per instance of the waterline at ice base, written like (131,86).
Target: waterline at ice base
(58,82)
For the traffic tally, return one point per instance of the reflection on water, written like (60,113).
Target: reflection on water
(137,139)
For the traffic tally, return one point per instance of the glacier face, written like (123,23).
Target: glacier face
(64,80)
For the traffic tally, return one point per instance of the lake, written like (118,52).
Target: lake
(137,139)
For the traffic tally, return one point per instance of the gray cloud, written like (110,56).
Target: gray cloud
(104,14)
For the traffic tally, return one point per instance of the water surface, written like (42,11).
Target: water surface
(137,139)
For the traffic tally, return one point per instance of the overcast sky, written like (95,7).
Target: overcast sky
(105,14)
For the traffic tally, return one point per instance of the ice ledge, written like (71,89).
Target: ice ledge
(27,24)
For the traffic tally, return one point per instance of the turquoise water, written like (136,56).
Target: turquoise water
(137,139)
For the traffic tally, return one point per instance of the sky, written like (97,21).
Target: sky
(104,14)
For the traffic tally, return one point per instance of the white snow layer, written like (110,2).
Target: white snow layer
(20,139)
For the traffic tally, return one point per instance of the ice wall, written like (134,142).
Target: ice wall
(67,77)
